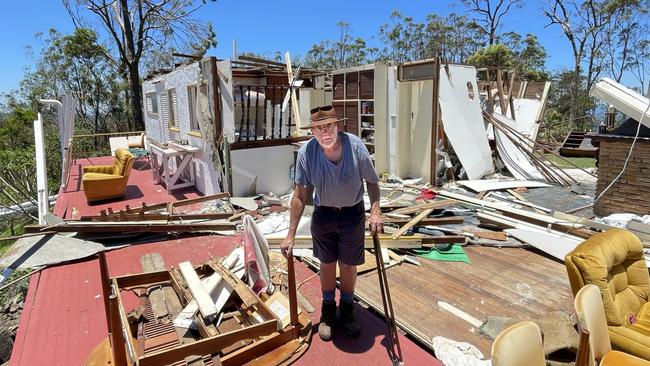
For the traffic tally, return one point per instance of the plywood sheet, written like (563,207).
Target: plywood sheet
(481,185)
(552,244)
(511,282)
(463,121)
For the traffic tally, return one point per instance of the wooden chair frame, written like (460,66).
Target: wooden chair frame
(278,346)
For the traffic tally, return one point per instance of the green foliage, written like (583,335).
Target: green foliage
(454,38)
(525,56)
(143,36)
(16,128)
(77,64)
(347,51)
(12,226)
(18,290)
(498,55)
(557,122)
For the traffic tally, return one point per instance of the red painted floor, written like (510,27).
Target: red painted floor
(71,202)
(63,317)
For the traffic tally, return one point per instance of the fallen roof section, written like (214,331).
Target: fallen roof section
(623,99)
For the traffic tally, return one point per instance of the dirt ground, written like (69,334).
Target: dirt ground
(11,306)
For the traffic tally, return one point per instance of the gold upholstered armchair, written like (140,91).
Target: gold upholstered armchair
(613,261)
(108,181)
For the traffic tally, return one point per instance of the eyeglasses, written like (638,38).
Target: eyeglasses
(324,128)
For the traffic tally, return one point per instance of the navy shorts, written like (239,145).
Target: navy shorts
(338,233)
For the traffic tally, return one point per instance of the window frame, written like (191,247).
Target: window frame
(192,96)
(151,100)
(172,109)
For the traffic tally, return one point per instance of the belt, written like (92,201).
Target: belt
(340,208)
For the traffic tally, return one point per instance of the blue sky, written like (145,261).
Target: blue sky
(266,26)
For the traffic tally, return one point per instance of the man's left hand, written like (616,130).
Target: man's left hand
(376,223)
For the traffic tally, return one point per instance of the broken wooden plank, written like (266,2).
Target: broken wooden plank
(412,223)
(527,216)
(431,241)
(446,220)
(180,203)
(574,210)
(505,222)
(492,235)
(153,216)
(304,303)
(208,346)
(404,242)
(129,227)
(248,297)
(219,290)
(206,306)
(181,288)
(418,208)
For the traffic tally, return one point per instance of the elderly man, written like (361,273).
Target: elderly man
(335,164)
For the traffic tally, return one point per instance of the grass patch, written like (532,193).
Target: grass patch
(18,229)
(4,246)
(13,291)
(581,162)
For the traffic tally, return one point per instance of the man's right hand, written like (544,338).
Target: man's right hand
(287,246)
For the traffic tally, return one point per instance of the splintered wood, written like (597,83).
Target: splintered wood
(232,330)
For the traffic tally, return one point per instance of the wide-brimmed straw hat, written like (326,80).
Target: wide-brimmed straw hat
(322,116)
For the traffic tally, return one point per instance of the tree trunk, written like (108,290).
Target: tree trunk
(132,58)
(136,98)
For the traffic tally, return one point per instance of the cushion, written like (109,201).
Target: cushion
(613,261)
(122,157)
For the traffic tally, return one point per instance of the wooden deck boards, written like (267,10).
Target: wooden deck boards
(510,282)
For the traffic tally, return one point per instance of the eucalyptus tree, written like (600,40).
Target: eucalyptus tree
(144,29)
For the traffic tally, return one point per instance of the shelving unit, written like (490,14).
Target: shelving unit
(353,98)
(367,124)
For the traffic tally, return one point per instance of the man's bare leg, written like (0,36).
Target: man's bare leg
(348,277)
(348,282)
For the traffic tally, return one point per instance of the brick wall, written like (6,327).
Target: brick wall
(631,193)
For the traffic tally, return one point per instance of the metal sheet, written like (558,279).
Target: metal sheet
(496,184)
(555,245)
(463,121)
(623,99)
(515,160)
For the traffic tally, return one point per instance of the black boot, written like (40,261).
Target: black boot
(350,324)
(327,319)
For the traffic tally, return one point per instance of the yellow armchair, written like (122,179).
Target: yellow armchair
(108,181)
(613,261)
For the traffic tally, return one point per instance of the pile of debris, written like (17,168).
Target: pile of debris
(187,312)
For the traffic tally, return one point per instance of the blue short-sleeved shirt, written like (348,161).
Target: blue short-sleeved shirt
(340,184)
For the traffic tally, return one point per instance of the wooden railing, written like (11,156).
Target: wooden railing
(259,115)
(95,144)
